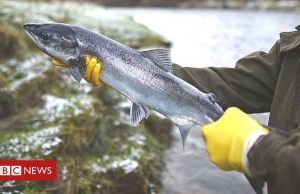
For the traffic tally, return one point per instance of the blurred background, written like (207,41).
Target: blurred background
(45,114)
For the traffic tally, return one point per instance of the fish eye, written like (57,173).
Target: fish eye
(44,35)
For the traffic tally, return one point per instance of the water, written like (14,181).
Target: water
(204,38)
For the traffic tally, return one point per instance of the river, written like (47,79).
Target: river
(203,38)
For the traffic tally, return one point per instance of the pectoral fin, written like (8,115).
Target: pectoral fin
(77,67)
(137,113)
(74,71)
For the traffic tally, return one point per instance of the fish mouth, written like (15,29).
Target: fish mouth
(33,33)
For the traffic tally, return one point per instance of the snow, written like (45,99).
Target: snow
(98,169)
(44,141)
(31,68)
(64,172)
(138,139)
(127,165)
(57,108)
(9,183)
(135,153)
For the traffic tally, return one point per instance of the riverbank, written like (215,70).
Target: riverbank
(207,4)
(252,5)
(45,114)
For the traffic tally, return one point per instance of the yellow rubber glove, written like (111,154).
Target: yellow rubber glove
(227,138)
(92,73)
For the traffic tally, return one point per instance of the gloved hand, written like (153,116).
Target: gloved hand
(93,69)
(229,139)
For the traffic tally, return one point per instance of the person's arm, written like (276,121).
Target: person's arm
(238,142)
(249,86)
(277,160)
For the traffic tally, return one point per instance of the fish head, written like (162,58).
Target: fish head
(57,40)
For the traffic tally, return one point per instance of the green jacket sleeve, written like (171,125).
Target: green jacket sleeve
(249,86)
(277,160)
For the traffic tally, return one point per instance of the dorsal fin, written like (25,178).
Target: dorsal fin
(161,57)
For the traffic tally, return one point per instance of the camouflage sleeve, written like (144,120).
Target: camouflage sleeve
(276,159)
(249,86)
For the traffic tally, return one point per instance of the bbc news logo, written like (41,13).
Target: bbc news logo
(28,170)
(10,170)
(18,170)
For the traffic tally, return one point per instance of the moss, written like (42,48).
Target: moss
(86,138)
(12,41)
(90,140)
(159,128)
(8,104)
(50,83)
(3,81)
